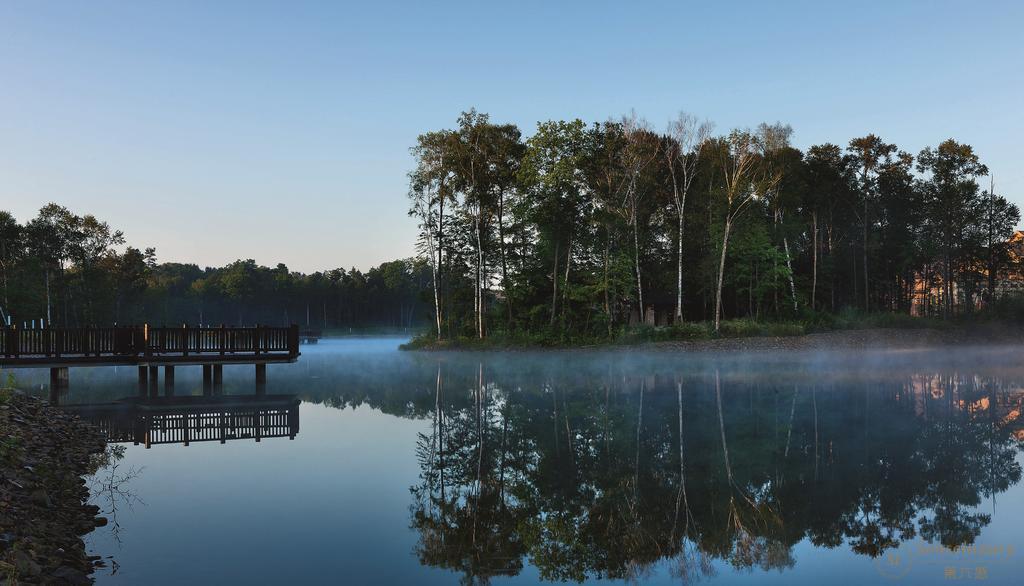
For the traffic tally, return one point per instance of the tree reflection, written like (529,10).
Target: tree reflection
(605,474)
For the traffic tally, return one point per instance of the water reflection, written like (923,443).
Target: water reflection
(187,419)
(581,466)
(605,476)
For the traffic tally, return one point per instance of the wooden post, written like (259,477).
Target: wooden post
(143,381)
(145,340)
(184,427)
(184,339)
(293,340)
(218,375)
(13,335)
(54,388)
(207,380)
(154,377)
(168,380)
(222,340)
(58,378)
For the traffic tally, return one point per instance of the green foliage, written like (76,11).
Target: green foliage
(71,268)
(589,231)
(1006,310)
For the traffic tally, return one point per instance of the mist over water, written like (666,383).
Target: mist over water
(650,466)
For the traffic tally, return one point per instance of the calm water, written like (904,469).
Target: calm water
(517,468)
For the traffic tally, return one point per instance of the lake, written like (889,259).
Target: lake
(364,464)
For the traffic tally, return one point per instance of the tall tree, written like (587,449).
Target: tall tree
(828,180)
(54,236)
(687,138)
(11,250)
(640,150)
(743,182)
(952,203)
(868,152)
(553,168)
(1000,218)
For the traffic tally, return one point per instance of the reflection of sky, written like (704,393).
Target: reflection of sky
(333,505)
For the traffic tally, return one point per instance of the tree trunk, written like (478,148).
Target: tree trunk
(679,268)
(607,245)
(554,280)
(789,265)
(504,262)
(721,272)
(867,302)
(48,314)
(479,279)
(814,270)
(565,283)
(636,259)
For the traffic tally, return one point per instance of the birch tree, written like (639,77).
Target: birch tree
(687,138)
(743,183)
(640,151)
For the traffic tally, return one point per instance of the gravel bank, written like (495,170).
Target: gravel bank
(44,453)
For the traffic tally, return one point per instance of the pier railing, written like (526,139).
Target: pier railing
(145,341)
(194,419)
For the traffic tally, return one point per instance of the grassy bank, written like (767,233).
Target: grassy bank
(809,323)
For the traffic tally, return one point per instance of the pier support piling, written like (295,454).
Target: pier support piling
(207,380)
(168,380)
(154,379)
(59,377)
(218,377)
(261,378)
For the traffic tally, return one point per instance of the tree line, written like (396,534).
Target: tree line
(64,269)
(587,228)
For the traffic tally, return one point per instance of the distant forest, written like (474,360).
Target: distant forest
(72,270)
(583,229)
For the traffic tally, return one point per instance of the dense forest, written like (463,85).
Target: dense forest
(583,229)
(64,269)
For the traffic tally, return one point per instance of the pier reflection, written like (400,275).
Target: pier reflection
(187,419)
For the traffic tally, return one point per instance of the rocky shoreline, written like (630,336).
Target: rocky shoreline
(44,454)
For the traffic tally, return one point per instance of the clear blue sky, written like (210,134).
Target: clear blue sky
(280,131)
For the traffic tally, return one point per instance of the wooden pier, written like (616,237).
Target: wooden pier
(148,348)
(184,420)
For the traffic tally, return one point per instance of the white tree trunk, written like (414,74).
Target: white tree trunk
(636,259)
(789,265)
(814,247)
(679,269)
(721,273)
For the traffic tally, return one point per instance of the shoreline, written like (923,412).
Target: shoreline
(44,455)
(846,339)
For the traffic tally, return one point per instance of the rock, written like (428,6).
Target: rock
(67,575)
(42,492)
(40,498)
(25,565)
